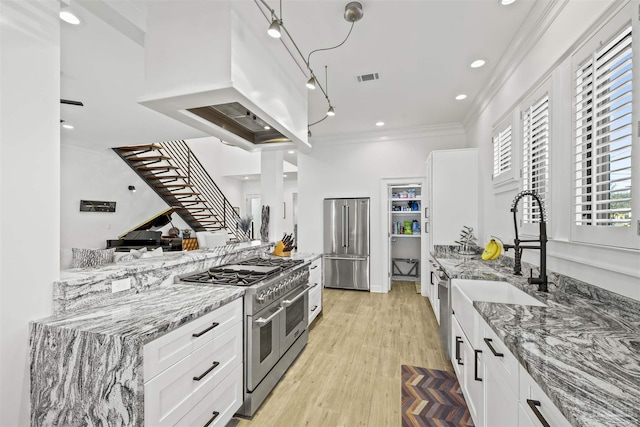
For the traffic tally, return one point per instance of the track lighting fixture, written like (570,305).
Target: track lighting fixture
(274,29)
(311,83)
(352,13)
(132,188)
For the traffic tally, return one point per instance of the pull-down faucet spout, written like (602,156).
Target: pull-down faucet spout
(541,281)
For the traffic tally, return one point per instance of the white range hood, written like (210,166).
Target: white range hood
(211,65)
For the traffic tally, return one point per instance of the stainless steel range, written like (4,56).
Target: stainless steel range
(276,309)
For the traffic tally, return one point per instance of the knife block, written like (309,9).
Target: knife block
(279,250)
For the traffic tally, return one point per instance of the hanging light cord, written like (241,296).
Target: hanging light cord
(330,48)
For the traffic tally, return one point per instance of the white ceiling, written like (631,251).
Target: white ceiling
(421,50)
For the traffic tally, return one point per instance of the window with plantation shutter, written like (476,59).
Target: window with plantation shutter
(535,157)
(603,135)
(502,152)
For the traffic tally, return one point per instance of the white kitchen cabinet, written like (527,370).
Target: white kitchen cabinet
(497,389)
(206,371)
(535,406)
(315,291)
(467,363)
(451,194)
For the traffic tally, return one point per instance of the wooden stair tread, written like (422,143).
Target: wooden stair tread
(159,177)
(173,185)
(140,147)
(183,194)
(151,168)
(203,215)
(146,158)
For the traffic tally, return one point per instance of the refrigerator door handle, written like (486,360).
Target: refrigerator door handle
(343,224)
(348,228)
(344,258)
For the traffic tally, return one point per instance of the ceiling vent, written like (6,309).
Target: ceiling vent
(367,77)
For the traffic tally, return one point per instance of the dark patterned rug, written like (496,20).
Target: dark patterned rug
(432,398)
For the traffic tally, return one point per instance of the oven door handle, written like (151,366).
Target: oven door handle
(263,321)
(287,302)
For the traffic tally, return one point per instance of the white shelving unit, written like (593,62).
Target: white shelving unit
(405,208)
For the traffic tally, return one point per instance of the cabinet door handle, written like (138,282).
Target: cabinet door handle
(533,404)
(458,358)
(431,278)
(475,368)
(196,335)
(314,308)
(204,374)
(313,267)
(493,350)
(215,415)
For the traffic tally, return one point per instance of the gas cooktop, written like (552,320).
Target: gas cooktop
(243,273)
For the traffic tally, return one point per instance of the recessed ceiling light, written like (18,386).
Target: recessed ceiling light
(267,127)
(246,177)
(290,151)
(478,63)
(506,2)
(461,97)
(67,126)
(379,123)
(67,16)
(285,175)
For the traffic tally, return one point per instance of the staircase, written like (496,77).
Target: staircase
(176,175)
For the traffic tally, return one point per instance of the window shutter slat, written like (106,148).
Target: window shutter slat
(602,146)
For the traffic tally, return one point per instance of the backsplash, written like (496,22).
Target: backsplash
(557,282)
(83,288)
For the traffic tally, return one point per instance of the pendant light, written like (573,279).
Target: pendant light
(331,111)
(311,83)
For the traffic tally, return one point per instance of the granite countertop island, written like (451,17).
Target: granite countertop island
(87,365)
(583,349)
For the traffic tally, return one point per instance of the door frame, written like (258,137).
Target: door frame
(385,231)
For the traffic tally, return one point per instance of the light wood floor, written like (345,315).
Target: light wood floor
(349,373)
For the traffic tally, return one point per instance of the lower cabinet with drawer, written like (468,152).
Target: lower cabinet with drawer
(315,291)
(193,375)
(497,389)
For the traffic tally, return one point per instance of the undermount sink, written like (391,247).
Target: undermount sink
(492,291)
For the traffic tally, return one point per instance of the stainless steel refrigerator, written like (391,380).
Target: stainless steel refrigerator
(346,243)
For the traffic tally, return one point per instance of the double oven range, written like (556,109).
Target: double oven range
(276,305)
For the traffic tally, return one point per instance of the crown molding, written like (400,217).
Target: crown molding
(428,131)
(537,22)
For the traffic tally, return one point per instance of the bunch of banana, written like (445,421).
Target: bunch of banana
(492,250)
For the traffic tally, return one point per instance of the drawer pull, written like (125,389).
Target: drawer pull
(475,368)
(533,404)
(215,415)
(313,266)
(493,350)
(206,330)
(458,358)
(314,308)
(207,371)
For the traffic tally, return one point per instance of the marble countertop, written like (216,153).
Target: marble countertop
(146,315)
(583,349)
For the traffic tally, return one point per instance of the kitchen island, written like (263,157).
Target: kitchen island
(581,349)
(87,366)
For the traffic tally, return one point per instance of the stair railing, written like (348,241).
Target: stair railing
(197,175)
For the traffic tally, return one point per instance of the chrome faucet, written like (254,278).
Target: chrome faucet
(541,281)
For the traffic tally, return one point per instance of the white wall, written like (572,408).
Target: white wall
(342,168)
(615,269)
(29,188)
(253,188)
(221,160)
(101,175)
